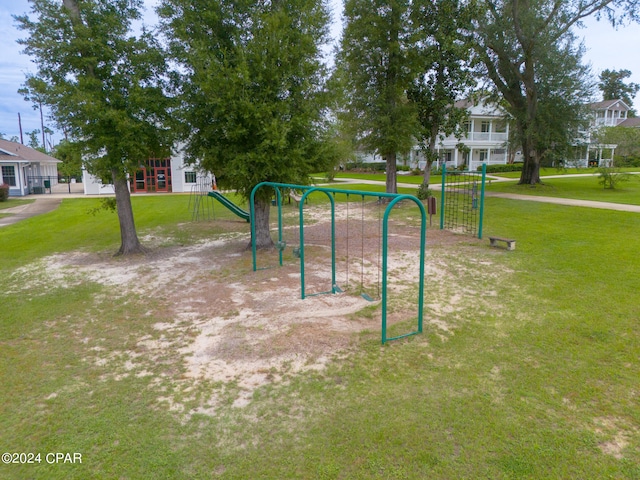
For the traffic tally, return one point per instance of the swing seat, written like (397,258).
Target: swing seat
(366,297)
(281,245)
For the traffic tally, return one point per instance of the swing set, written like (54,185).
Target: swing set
(299,251)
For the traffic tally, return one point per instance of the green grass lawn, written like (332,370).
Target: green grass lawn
(583,188)
(538,379)
(10,203)
(14,202)
(381,177)
(548,171)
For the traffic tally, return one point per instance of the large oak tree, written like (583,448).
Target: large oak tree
(103,84)
(522,43)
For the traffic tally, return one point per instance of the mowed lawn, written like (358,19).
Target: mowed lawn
(585,187)
(541,382)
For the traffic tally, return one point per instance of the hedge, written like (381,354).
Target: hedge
(4,192)
(510,167)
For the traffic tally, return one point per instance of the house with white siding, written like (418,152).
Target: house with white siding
(485,140)
(155,175)
(26,170)
(609,113)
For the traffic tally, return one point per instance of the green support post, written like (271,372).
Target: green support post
(334,288)
(442,194)
(484,176)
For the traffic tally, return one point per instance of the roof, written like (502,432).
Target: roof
(480,108)
(16,152)
(630,122)
(606,104)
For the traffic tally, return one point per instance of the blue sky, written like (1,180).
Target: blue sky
(606,48)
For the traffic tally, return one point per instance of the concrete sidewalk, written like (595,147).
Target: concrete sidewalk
(42,204)
(621,207)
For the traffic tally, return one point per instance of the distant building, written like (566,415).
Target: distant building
(26,170)
(485,141)
(155,175)
(609,113)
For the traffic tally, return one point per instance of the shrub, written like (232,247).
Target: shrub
(366,167)
(424,192)
(627,161)
(509,167)
(611,177)
(4,192)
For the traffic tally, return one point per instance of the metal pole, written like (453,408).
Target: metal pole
(385,235)
(484,175)
(442,194)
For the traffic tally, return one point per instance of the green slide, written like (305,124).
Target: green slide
(230,205)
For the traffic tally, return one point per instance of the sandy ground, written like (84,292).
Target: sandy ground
(230,324)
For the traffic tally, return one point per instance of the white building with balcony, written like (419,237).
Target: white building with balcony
(609,113)
(485,140)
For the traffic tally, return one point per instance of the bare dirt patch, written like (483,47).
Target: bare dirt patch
(231,325)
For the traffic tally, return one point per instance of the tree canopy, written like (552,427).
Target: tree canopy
(613,87)
(104,86)
(444,71)
(523,46)
(376,65)
(251,89)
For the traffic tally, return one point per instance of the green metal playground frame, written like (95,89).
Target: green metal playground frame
(395,198)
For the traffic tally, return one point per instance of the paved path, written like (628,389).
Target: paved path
(42,204)
(622,207)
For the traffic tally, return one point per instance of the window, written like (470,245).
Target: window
(485,126)
(189,177)
(9,175)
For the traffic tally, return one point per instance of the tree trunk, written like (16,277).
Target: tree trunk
(426,178)
(263,236)
(129,238)
(431,154)
(531,167)
(392,180)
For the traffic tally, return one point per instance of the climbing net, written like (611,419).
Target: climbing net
(462,201)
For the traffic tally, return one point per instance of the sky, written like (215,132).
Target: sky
(606,48)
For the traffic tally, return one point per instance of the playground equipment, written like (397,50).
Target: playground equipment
(363,293)
(230,205)
(462,201)
(201,205)
(334,288)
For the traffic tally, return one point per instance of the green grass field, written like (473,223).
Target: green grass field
(583,188)
(537,378)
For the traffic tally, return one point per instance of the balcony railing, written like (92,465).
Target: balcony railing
(495,137)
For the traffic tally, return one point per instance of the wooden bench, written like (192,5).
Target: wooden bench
(511,244)
(296,198)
